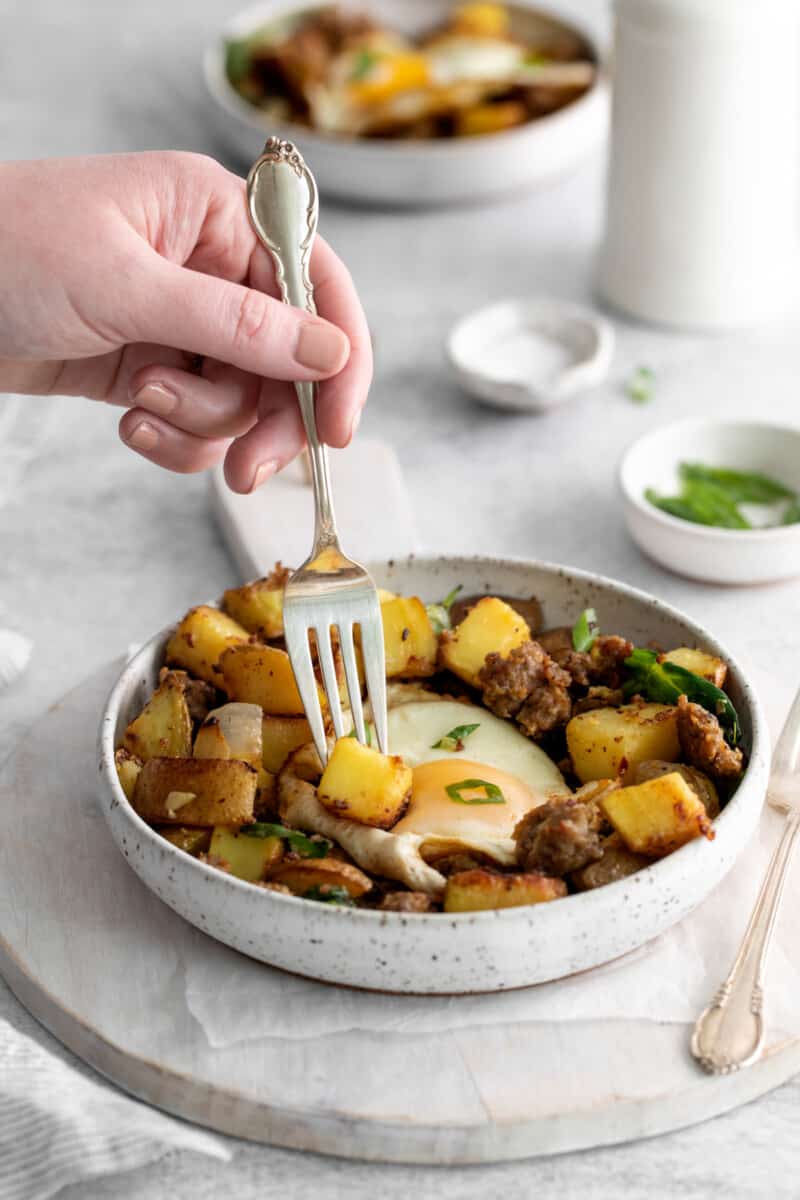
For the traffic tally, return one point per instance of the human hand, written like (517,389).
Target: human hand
(137,280)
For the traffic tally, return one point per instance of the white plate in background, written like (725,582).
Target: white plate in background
(412,173)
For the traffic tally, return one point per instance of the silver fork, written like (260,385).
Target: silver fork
(729,1033)
(329,590)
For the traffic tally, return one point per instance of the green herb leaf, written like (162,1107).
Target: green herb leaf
(791,514)
(237,59)
(665,682)
(305,846)
(330,893)
(454,740)
(364,62)
(439,614)
(641,384)
(702,503)
(367,729)
(492,793)
(743,487)
(585,631)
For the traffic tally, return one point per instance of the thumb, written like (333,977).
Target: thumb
(203,314)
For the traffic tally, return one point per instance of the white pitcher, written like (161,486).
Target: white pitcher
(702,216)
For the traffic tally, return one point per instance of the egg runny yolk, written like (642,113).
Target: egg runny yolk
(434,811)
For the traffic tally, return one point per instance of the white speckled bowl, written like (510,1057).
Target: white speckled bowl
(469,952)
(422,171)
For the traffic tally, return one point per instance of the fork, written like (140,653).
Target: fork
(729,1034)
(329,590)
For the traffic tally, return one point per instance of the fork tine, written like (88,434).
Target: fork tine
(296,636)
(325,654)
(353,684)
(375,671)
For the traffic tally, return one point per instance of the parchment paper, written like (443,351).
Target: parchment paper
(670,979)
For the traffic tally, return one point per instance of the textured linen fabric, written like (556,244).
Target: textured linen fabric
(61,1125)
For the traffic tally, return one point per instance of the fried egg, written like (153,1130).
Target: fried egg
(467,795)
(471,788)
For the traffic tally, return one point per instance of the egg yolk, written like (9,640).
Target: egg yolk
(434,810)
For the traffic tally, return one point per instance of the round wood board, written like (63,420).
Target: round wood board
(98,960)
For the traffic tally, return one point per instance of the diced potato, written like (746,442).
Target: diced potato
(257,606)
(657,817)
(224,792)
(261,675)
(606,742)
(280,736)
(480,18)
(478,889)
(300,875)
(128,768)
(491,118)
(361,784)
(706,665)
(491,627)
(700,784)
(163,727)
(201,639)
(245,857)
(409,642)
(192,841)
(618,862)
(210,741)
(266,794)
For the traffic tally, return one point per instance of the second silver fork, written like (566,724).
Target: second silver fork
(329,591)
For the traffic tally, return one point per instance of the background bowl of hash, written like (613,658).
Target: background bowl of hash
(462,952)
(413,173)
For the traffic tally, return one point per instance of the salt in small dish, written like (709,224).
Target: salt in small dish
(530,355)
(704,552)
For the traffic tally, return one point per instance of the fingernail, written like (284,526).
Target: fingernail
(355,425)
(156,397)
(320,347)
(262,473)
(143,437)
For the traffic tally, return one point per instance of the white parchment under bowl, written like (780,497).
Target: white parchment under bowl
(457,952)
(530,355)
(703,552)
(423,171)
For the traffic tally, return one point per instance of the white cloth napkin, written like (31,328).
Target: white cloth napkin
(60,1124)
(671,979)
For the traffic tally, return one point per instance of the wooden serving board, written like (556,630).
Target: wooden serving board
(99,960)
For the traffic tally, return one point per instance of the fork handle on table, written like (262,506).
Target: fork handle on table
(284,207)
(730,1032)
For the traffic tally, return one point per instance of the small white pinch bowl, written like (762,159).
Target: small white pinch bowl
(416,172)
(451,953)
(703,552)
(488,355)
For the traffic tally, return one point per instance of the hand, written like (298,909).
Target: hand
(137,280)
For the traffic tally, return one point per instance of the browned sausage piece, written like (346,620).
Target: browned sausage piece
(559,837)
(703,742)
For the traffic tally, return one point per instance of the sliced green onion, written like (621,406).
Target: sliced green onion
(492,793)
(585,631)
(454,740)
(305,846)
(641,385)
(330,893)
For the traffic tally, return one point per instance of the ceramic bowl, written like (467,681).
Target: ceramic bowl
(456,953)
(730,556)
(530,355)
(420,172)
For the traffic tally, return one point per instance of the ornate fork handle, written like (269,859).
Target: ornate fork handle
(284,207)
(729,1034)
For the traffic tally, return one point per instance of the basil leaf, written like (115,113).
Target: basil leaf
(585,631)
(747,487)
(493,793)
(641,384)
(454,740)
(702,503)
(330,893)
(665,682)
(305,846)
